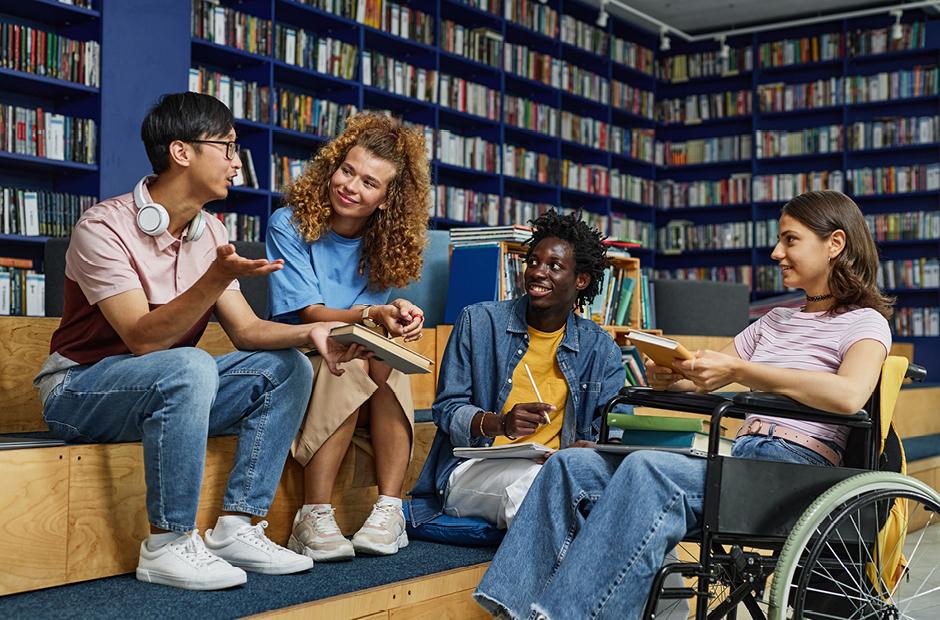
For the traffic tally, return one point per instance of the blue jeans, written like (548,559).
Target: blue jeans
(594,529)
(172,400)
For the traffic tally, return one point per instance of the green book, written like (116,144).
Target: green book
(627,421)
(623,305)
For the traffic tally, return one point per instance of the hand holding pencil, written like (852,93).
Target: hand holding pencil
(535,388)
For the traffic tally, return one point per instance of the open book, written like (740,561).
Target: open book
(663,351)
(524,450)
(392,353)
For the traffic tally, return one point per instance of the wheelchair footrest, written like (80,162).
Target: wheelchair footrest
(677,593)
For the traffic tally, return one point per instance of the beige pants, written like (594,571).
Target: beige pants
(335,398)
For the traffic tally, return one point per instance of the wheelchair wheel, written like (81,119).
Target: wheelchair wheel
(843,559)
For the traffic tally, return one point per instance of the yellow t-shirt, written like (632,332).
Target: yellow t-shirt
(540,357)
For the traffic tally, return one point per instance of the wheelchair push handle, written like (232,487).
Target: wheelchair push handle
(916,373)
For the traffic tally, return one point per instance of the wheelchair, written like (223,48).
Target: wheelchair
(829,540)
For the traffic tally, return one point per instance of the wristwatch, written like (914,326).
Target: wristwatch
(366,320)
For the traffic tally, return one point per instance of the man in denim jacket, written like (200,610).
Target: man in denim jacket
(528,370)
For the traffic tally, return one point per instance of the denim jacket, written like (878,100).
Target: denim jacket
(488,341)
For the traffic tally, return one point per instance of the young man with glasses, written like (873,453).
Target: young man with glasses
(144,271)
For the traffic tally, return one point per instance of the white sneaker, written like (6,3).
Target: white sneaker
(383,533)
(185,563)
(316,535)
(250,549)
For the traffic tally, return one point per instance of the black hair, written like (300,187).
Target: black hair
(590,254)
(182,116)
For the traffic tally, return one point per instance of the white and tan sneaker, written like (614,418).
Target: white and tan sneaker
(317,536)
(249,548)
(383,533)
(185,563)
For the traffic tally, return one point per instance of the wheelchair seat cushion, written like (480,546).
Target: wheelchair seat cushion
(464,531)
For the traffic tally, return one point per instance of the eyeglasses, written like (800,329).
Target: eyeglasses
(231,146)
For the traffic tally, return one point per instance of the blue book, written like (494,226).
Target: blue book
(474,277)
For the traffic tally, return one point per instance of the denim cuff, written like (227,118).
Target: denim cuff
(460,421)
(245,508)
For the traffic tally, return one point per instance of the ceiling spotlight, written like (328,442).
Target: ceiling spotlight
(664,42)
(724,51)
(896,31)
(603,15)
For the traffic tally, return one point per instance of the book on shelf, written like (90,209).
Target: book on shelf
(385,349)
(524,450)
(489,234)
(246,176)
(663,351)
(689,443)
(633,364)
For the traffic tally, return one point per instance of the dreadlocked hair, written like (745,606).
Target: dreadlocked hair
(590,254)
(394,239)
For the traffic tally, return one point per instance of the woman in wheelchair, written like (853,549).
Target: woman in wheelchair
(594,529)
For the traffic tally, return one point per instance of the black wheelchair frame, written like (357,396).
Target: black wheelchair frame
(731,516)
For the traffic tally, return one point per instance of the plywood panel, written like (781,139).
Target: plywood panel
(24,345)
(107,510)
(443,335)
(917,412)
(423,386)
(456,606)
(33,518)
(215,341)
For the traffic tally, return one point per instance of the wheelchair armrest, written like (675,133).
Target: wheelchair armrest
(764,403)
(691,402)
(916,373)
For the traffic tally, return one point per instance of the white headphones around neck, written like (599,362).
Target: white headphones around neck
(152,218)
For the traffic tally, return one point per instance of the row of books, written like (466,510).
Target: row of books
(587,178)
(246,99)
(532,14)
(596,220)
(783,97)
(634,365)
(703,151)
(766,233)
(920,272)
(240,226)
(782,143)
(693,109)
(470,97)
(36,132)
(532,64)
(769,279)
(885,86)
(466,205)
(632,55)
(626,186)
(616,295)
(780,187)
(916,321)
(904,226)
(469,152)
(525,164)
(733,190)
(300,48)
(307,114)
(894,179)
(583,35)
(225,26)
(523,211)
(636,143)
(827,46)
(530,115)
(623,227)
(881,40)
(22,290)
(27,49)
(397,19)
(892,132)
(740,274)
(684,67)
(398,77)
(632,99)
(479,44)
(247,176)
(37,212)
(679,236)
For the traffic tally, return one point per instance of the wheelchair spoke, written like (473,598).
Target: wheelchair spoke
(918,593)
(910,560)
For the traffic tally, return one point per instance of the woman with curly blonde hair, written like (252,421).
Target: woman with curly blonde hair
(353,229)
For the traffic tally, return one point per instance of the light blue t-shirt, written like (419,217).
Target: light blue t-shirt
(323,272)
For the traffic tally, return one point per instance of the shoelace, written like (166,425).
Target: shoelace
(254,534)
(325,522)
(193,550)
(380,515)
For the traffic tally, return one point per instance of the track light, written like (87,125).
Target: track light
(543,1)
(603,15)
(897,33)
(724,51)
(664,42)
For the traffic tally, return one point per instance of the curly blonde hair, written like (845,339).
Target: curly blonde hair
(394,238)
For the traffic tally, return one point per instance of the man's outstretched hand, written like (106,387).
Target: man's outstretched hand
(229,265)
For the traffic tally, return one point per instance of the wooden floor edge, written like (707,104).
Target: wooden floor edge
(920,465)
(382,598)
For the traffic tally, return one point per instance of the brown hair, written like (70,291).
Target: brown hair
(853,274)
(394,238)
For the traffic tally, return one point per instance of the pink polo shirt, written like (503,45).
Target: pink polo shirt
(108,255)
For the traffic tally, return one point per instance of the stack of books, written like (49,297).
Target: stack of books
(668,433)
(485,235)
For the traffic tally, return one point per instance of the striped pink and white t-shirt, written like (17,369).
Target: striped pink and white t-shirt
(817,341)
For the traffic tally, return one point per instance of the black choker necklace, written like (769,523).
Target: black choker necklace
(818,297)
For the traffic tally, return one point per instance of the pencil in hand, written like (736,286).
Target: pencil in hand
(548,419)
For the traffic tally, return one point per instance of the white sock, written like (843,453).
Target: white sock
(227,525)
(308,508)
(155,541)
(388,499)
